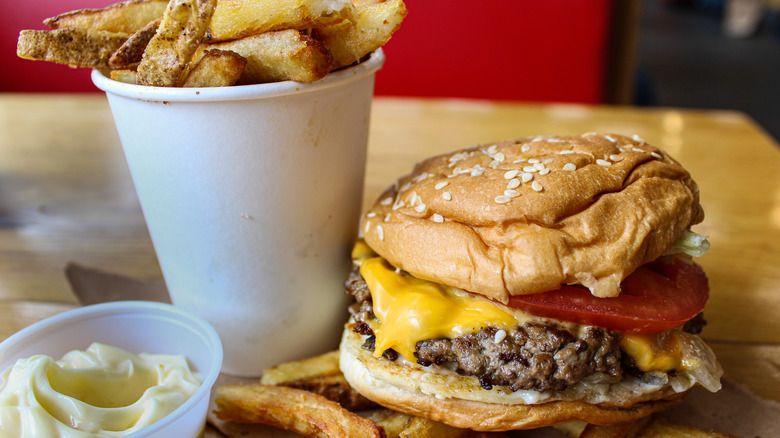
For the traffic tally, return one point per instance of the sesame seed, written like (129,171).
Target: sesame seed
(368,225)
(527,177)
(637,150)
(441,185)
(438,218)
(500,336)
(502,199)
(555,140)
(638,138)
(477,171)
(387,201)
(547,161)
(492,149)
(500,157)
(513,183)
(420,208)
(372,214)
(601,162)
(656,155)
(511,193)
(521,160)
(406,186)
(511,174)
(534,160)
(536,186)
(380,232)
(387,217)
(447,196)
(587,134)
(616,157)
(529,169)
(544,171)
(415,199)
(569,166)
(399,204)
(525,148)
(539,166)
(567,152)
(611,139)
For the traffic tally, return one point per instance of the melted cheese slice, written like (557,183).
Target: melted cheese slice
(412,310)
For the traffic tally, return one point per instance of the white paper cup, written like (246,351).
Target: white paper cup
(252,197)
(138,327)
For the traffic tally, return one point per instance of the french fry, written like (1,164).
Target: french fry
(239,18)
(74,47)
(125,17)
(391,421)
(648,427)
(126,76)
(285,55)
(419,427)
(217,68)
(326,364)
(169,52)
(291,409)
(320,375)
(132,51)
(372,27)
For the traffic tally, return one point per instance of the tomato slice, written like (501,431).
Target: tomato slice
(654,298)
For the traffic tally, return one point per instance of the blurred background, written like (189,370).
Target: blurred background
(720,54)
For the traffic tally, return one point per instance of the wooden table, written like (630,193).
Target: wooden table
(66,196)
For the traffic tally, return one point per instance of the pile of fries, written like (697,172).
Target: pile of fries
(311,397)
(212,43)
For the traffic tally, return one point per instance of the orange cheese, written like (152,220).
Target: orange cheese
(412,310)
(656,352)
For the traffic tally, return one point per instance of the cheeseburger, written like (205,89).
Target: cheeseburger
(532,282)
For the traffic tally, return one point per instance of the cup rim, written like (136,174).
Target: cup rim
(238,92)
(198,324)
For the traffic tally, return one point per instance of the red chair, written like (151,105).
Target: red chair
(548,51)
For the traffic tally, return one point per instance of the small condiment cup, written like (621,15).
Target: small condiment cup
(138,327)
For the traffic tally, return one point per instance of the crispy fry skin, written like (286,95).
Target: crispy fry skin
(291,409)
(126,76)
(74,47)
(217,68)
(648,427)
(239,18)
(126,17)
(170,50)
(320,375)
(372,27)
(132,51)
(285,55)
(419,427)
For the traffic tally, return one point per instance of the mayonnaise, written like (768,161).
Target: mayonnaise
(101,392)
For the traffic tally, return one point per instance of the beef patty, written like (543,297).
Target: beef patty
(531,356)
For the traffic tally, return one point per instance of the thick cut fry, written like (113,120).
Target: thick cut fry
(320,375)
(391,421)
(326,364)
(132,51)
(291,409)
(126,76)
(75,47)
(126,17)
(217,68)
(648,427)
(285,55)
(373,25)
(419,427)
(239,18)
(168,54)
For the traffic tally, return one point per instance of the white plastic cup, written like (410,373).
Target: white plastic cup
(252,196)
(138,327)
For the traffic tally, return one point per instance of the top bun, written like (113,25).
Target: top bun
(527,216)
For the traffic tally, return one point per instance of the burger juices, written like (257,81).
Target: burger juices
(532,282)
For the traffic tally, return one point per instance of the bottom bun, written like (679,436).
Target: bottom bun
(397,385)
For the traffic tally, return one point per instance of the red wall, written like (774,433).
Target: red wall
(532,50)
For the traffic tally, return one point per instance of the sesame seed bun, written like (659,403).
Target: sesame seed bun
(460,401)
(526,216)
